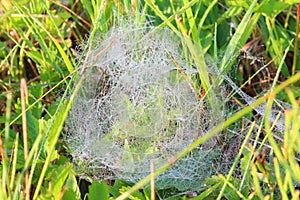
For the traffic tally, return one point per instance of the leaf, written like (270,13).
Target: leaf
(238,3)
(207,192)
(271,7)
(72,189)
(137,195)
(59,177)
(33,126)
(69,195)
(244,162)
(98,191)
(232,11)
(206,40)
(63,16)
(88,7)
(35,91)
(115,189)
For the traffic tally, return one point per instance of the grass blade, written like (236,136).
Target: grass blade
(58,123)
(240,36)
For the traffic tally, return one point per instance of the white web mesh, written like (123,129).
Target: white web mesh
(133,107)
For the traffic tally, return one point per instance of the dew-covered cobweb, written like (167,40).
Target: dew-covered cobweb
(135,107)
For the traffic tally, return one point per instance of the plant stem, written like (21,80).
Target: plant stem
(24,94)
(296,41)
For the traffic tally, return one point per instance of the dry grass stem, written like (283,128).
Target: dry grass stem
(24,95)
(152,182)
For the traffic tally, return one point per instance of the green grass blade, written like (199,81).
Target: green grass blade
(207,192)
(240,36)
(236,160)
(278,179)
(192,23)
(256,183)
(58,181)
(4,149)
(276,46)
(280,67)
(251,158)
(20,178)
(58,123)
(167,21)
(209,8)
(160,14)
(37,25)
(197,55)
(58,46)
(194,47)
(14,163)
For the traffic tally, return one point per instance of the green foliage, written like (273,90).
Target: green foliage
(38,40)
(40,50)
(107,192)
(98,191)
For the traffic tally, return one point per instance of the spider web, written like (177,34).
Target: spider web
(134,107)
